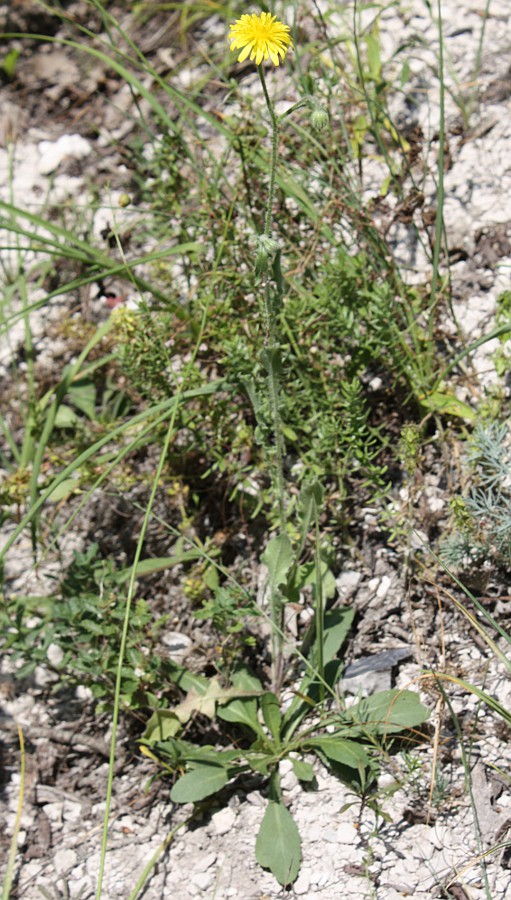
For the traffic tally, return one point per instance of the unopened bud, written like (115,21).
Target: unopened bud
(319,118)
(124,200)
(266,250)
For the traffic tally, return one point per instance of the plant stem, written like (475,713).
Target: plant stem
(274,148)
(272,361)
(273,377)
(272,344)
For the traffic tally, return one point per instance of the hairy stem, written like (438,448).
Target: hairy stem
(274,147)
(272,358)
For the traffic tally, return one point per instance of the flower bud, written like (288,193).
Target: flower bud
(266,248)
(319,118)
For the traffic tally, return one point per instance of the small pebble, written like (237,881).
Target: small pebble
(223,820)
(203,863)
(54,152)
(203,880)
(64,860)
(303,882)
(346,833)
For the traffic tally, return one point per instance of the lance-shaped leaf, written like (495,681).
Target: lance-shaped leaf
(388,712)
(349,753)
(278,843)
(201,782)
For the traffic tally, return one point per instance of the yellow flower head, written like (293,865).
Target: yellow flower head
(262,36)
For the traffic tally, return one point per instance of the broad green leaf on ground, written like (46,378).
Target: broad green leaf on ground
(304,771)
(163,724)
(259,762)
(244,681)
(278,843)
(389,711)
(349,753)
(205,701)
(243,712)
(210,755)
(187,680)
(202,698)
(200,783)
(201,702)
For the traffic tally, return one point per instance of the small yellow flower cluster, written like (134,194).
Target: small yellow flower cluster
(260,36)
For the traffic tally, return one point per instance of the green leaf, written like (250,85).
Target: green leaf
(210,578)
(349,753)
(307,501)
(304,771)
(66,417)
(162,725)
(173,750)
(187,680)
(360,128)
(92,627)
(289,433)
(211,756)
(405,74)
(158,564)
(278,843)
(243,712)
(279,280)
(389,711)
(8,63)
(373,54)
(64,490)
(258,762)
(307,574)
(200,783)
(271,359)
(204,702)
(278,557)
(385,185)
(337,625)
(82,394)
(447,404)
(292,188)
(244,680)
(272,715)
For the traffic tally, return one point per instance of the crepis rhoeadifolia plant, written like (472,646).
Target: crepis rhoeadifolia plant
(261,729)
